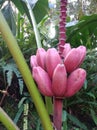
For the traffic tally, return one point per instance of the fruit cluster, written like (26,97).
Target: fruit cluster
(59,76)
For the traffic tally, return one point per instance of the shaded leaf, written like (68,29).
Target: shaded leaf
(64,119)
(10,69)
(9,73)
(18,114)
(77,122)
(84,32)
(2,1)
(18,4)
(94,116)
(40,9)
(64,116)
(85,84)
(8,14)
(21,102)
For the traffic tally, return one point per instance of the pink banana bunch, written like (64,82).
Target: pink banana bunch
(58,73)
(56,76)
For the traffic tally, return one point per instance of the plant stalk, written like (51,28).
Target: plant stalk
(48,101)
(57,117)
(37,35)
(6,121)
(25,71)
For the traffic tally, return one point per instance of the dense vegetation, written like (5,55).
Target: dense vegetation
(79,112)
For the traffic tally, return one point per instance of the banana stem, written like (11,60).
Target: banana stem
(57,117)
(27,76)
(48,101)
(6,120)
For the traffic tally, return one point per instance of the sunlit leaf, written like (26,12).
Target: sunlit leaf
(31,2)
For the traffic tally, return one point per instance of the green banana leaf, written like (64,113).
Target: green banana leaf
(40,9)
(84,32)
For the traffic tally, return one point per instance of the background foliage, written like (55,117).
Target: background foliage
(80,110)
